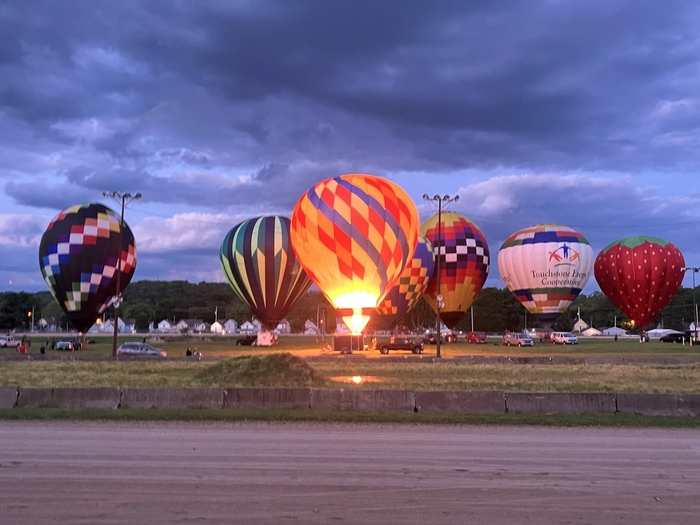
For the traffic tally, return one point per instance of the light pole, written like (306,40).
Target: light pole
(123,198)
(695,304)
(438,246)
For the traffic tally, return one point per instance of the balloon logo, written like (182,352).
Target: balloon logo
(78,257)
(546,266)
(260,265)
(353,235)
(412,282)
(640,275)
(464,264)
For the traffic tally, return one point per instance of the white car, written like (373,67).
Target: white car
(563,338)
(517,339)
(9,341)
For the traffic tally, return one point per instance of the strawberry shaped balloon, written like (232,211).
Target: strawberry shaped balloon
(640,275)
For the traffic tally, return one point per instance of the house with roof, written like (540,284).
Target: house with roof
(202,327)
(310,328)
(47,324)
(580,326)
(231,326)
(216,328)
(248,328)
(164,326)
(189,325)
(283,328)
(125,326)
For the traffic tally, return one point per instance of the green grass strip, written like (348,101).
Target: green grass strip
(347,416)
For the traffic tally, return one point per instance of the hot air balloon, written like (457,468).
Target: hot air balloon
(464,264)
(260,265)
(353,235)
(640,275)
(412,282)
(78,257)
(546,266)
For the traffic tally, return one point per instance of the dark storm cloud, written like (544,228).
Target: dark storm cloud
(240,107)
(409,85)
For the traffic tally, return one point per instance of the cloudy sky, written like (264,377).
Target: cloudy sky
(579,113)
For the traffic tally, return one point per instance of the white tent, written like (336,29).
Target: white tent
(591,332)
(660,332)
(615,330)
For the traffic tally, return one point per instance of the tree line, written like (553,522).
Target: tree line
(494,310)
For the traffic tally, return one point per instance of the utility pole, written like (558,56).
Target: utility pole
(695,304)
(438,248)
(124,198)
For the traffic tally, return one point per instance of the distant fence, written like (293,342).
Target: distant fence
(462,402)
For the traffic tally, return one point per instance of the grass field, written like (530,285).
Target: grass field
(307,346)
(375,371)
(349,416)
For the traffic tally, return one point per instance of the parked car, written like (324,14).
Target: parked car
(400,342)
(673,338)
(477,337)
(430,339)
(140,349)
(69,343)
(517,339)
(248,340)
(563,338)
(9,341)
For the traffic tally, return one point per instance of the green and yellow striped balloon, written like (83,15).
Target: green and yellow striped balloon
(261,267)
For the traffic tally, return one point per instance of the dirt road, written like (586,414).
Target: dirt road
(262,473)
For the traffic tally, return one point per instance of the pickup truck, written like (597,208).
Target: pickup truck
(7,341)
(399,342)
(69,343)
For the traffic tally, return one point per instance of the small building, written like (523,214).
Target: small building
(164,326)
(580,326)
(189,325)
(310,328)
(47,324)
(231,326)
(202,327)
(125,326)
(591,332)
(283,328)
(216,327)
(248,328)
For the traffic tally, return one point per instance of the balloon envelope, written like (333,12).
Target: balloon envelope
(640,275)
(78,257)
(464,264)
(412,282)
(546,266)
(260,265)
(353,235)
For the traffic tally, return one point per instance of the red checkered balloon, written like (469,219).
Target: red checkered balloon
(412,282)
(464,264)
(353,235)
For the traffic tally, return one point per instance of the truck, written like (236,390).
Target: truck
(266,339)
(8,341)
(400,342)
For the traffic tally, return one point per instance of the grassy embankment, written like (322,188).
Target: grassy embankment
(375,372)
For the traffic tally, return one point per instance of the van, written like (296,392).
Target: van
(563,338)
(517,339)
